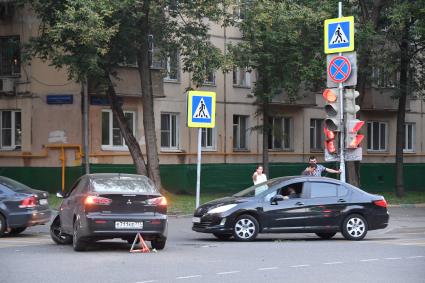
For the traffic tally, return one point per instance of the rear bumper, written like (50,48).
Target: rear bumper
(28,218)
(378,221)
(103,226)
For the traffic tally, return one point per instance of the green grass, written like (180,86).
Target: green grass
(185,204)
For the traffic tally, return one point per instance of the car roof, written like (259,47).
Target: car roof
(114,175)
(307,178)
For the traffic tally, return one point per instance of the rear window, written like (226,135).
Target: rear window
(14,185)
(125,185)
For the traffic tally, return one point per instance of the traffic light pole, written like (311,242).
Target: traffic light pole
(341,105)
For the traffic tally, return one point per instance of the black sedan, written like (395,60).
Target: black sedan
(106,206)
(21,207)
(298,204)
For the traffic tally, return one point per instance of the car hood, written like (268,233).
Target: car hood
(219,202)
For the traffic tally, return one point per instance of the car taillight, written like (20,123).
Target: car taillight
(97,200)
(381,203)
(28,202)
(157,201)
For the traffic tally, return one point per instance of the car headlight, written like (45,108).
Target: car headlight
(222,208)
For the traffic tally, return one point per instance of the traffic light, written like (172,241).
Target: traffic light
(332,109)
(352,124)
(329,141)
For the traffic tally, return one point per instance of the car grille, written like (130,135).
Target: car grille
(203,224)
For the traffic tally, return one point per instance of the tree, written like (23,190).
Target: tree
(282,41)
(92,38)
(405,31)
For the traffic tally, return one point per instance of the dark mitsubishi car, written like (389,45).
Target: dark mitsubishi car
(21,207)
(298,204)
(106,206)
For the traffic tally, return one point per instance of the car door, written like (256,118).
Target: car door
(69,203)
(324,206)
(285,215)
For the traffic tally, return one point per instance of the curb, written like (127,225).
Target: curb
(413,205)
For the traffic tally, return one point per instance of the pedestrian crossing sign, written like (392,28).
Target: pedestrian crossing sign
(201,109)
(339,35)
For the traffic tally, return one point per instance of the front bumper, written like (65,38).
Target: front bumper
(213,223)
(28,218)
(97,225)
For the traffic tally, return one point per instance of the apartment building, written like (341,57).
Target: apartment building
(41,124)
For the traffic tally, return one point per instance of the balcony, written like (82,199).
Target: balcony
(304,99)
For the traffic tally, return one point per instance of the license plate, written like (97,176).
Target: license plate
(196,219)
(43,201)
(128,225)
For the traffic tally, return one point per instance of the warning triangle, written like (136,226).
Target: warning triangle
(339,36)
(201,110)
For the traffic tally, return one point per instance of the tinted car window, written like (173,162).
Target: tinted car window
(319,190)
(126,185)
(14,185)
(342,191)
(257,189)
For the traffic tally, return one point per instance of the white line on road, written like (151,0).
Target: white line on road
(392,258)
(416,256)
(188,277)
(268,268)
(301,265)
(149,281)
(334,262)
(370,259)
(228,272)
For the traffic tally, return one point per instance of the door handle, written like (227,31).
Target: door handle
(299,203)
(342,200)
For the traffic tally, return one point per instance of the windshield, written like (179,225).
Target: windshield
(125,185)
(257,189)
(14,185)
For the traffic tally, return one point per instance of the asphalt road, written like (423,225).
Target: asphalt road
(395,254)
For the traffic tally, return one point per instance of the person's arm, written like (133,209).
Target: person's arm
(333,171)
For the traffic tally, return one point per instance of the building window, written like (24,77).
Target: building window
(280,133)
(409,137)
(10,56)
(377,136)
(210,78)
(172,67)
(240,9)
(316,135)
(169,131)
(383,77)
(10,130)
(241,77)
(240,128)
(111,133)
(208,138)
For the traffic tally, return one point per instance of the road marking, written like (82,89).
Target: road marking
(392,258)
(301,265)
(149,281)
(188,277)
(416,256)
(268,268)
(228,272)
(370,259)
(334,262)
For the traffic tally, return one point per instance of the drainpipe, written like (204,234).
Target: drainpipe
(86,125)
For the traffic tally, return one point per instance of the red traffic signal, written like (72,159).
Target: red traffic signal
(332,109)
(353,140)
(330,141)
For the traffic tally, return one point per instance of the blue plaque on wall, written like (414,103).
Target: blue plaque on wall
(60,99)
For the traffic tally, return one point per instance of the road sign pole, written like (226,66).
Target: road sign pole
(198,169)
(341,101)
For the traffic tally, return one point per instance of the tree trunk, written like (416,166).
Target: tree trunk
(404,64)
(130,140)
(143,60)
(353,173)
(265,108)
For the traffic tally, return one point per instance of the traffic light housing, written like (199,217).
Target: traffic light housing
(352,124)
(330,142)
(332,109)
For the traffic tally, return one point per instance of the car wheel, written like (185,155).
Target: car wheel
(158,244)
(325,236)
(354,227)
(245,228)
(56,233)
(2,225)
(16,231)
(77,243)
(222,237)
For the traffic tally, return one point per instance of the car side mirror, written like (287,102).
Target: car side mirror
(60,195)
(276,199)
